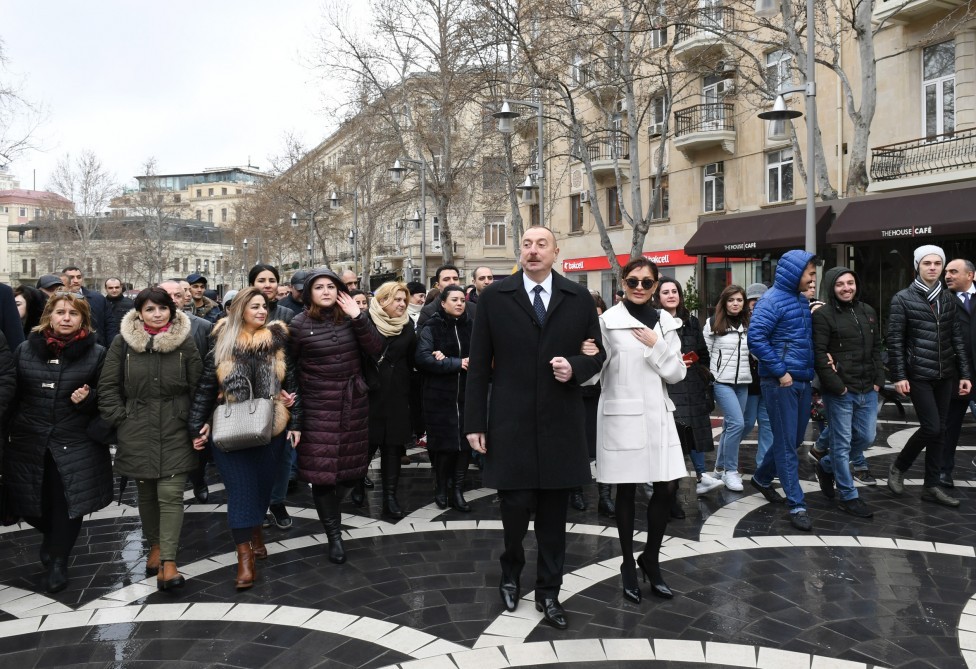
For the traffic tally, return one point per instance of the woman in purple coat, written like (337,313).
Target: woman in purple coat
(328,340)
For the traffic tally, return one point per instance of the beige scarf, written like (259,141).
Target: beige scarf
(387,325)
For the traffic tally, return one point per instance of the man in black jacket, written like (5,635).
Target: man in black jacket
(959,279)
(444,276)
(118,306)
(847,356)
(532,427)
(75,281)
(929,361)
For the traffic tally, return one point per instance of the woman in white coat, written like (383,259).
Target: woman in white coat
(636,436)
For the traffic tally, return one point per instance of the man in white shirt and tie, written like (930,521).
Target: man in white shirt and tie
(959,275)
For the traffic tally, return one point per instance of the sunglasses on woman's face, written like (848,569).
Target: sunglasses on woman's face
(646,284)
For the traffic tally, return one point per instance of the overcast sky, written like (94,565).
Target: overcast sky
(196,84)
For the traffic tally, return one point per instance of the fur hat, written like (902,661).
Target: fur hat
(928,250)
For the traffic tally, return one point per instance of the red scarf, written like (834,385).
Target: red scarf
(57,343)
(153,332)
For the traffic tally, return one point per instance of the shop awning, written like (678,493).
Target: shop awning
(750,232)
(935,211)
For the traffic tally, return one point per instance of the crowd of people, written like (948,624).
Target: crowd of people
(531,376)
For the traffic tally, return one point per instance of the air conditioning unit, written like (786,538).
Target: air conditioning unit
(725,87)
(655,129)
(621,106)
(584,196)
(713,169)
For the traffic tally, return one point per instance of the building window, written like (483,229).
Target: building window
(199,192)
(177,198)
(493,177)
(713,187)
(661,210)
(938,89)
(575,213)
(223,191)
(659,112)
(777,70)
(779,175)
(534,215)
(197,265)
(436,229)
(33,271)
(23,264)
(615,216)
(186,265)
(209,215)
(37,213)
(239,191)
(495,231)
(23,212)
(199,215)
(176,265)
(210,191)
(223,215)
(659,35)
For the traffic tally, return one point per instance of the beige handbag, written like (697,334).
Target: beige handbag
(245,424)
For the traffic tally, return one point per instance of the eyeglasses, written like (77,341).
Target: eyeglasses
(646,284)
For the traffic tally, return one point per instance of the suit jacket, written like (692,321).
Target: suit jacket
(535,424)
(99,315)
(967,323)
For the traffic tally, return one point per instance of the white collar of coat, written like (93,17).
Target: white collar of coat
(618,318)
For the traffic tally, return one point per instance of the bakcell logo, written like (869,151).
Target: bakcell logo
(567,266)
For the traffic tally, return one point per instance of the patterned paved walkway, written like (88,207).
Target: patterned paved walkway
(893,591)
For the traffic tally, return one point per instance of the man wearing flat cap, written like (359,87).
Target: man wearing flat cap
(201,305)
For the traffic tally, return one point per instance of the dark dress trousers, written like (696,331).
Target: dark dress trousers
(960,405)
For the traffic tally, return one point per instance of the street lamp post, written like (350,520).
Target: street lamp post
(396,175)
(768,9)
(354,232)
(245,252)
(311,236)
(505,117)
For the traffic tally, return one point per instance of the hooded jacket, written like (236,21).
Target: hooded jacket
(444,380)
(159,375)
(850,334)
(780,329)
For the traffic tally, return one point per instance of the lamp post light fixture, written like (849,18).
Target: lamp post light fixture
(335,202)
(505,118)
(397,173)
(768,9)
(245,252)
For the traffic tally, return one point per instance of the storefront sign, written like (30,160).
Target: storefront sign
(744,246)
(660,258)
(907,232)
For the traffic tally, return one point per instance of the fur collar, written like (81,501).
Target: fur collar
(273,336)
(73,351)
(137,338)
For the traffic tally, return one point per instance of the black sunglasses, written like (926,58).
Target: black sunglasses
(646,284)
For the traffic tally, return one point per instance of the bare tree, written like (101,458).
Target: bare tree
(85,182)
(19,117)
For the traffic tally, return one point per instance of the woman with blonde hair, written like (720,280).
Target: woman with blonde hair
(150,372)
(54,472)
(249,358)
(388,377)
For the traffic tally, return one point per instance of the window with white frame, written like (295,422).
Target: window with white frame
(436,229)
(777,70)
(659,34)
(779,175)
(938,89)
(495,230)
(575,213)
(661,208)
(713,187)
(659,113)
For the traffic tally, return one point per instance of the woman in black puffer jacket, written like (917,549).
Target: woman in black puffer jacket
(442,356)
(55,473)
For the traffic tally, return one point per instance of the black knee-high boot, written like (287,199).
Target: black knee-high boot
(443,470)
(390,467)
(658,513)
(327,500)
(461,463)
(606,506)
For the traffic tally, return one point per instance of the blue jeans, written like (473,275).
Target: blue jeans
(756,410)
(731,398)
(789,413)
(853,423)
(280,488)
(697,461)
(859,463)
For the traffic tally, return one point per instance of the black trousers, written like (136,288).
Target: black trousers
(931,401)
(958,407)
(550,533)
(60,532)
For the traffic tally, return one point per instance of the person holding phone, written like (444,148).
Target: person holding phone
(249,355)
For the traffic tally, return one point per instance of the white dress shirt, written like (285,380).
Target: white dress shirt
(546,288)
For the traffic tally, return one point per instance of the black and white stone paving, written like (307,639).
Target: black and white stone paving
(896,590)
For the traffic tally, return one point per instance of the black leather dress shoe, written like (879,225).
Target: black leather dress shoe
(552,612)
(201,493)
(511,593)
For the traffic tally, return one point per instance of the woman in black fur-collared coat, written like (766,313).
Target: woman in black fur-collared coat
(248,353)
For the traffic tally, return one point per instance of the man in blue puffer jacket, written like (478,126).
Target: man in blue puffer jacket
(781,338)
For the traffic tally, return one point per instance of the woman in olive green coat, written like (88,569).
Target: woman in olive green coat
(157,362)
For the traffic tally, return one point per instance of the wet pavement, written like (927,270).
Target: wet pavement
(896,590)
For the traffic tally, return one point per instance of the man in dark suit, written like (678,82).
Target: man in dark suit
(959,276)
(75,281)
(526,346)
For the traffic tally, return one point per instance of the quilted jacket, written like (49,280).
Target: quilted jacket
(925,341)
(46,420)
(780,334)
(444,380)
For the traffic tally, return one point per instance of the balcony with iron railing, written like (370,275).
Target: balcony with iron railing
(903,11)
(599,77)
(705,126)
(608,154)
(702,30)
(929,155)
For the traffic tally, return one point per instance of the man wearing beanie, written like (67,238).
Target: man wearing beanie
(929,361)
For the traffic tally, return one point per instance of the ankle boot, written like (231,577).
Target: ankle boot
(57,575)
(460,471)
(606,506)
(390,467)
(45,552)
(358,495)
(152,561)
(327,506)
(169,577)
(577,499)
(245,566)
(257,544)
(441,469)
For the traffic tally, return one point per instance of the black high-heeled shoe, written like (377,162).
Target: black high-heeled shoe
(658,586)
(628,577)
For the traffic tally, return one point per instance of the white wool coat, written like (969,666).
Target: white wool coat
(637,440)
